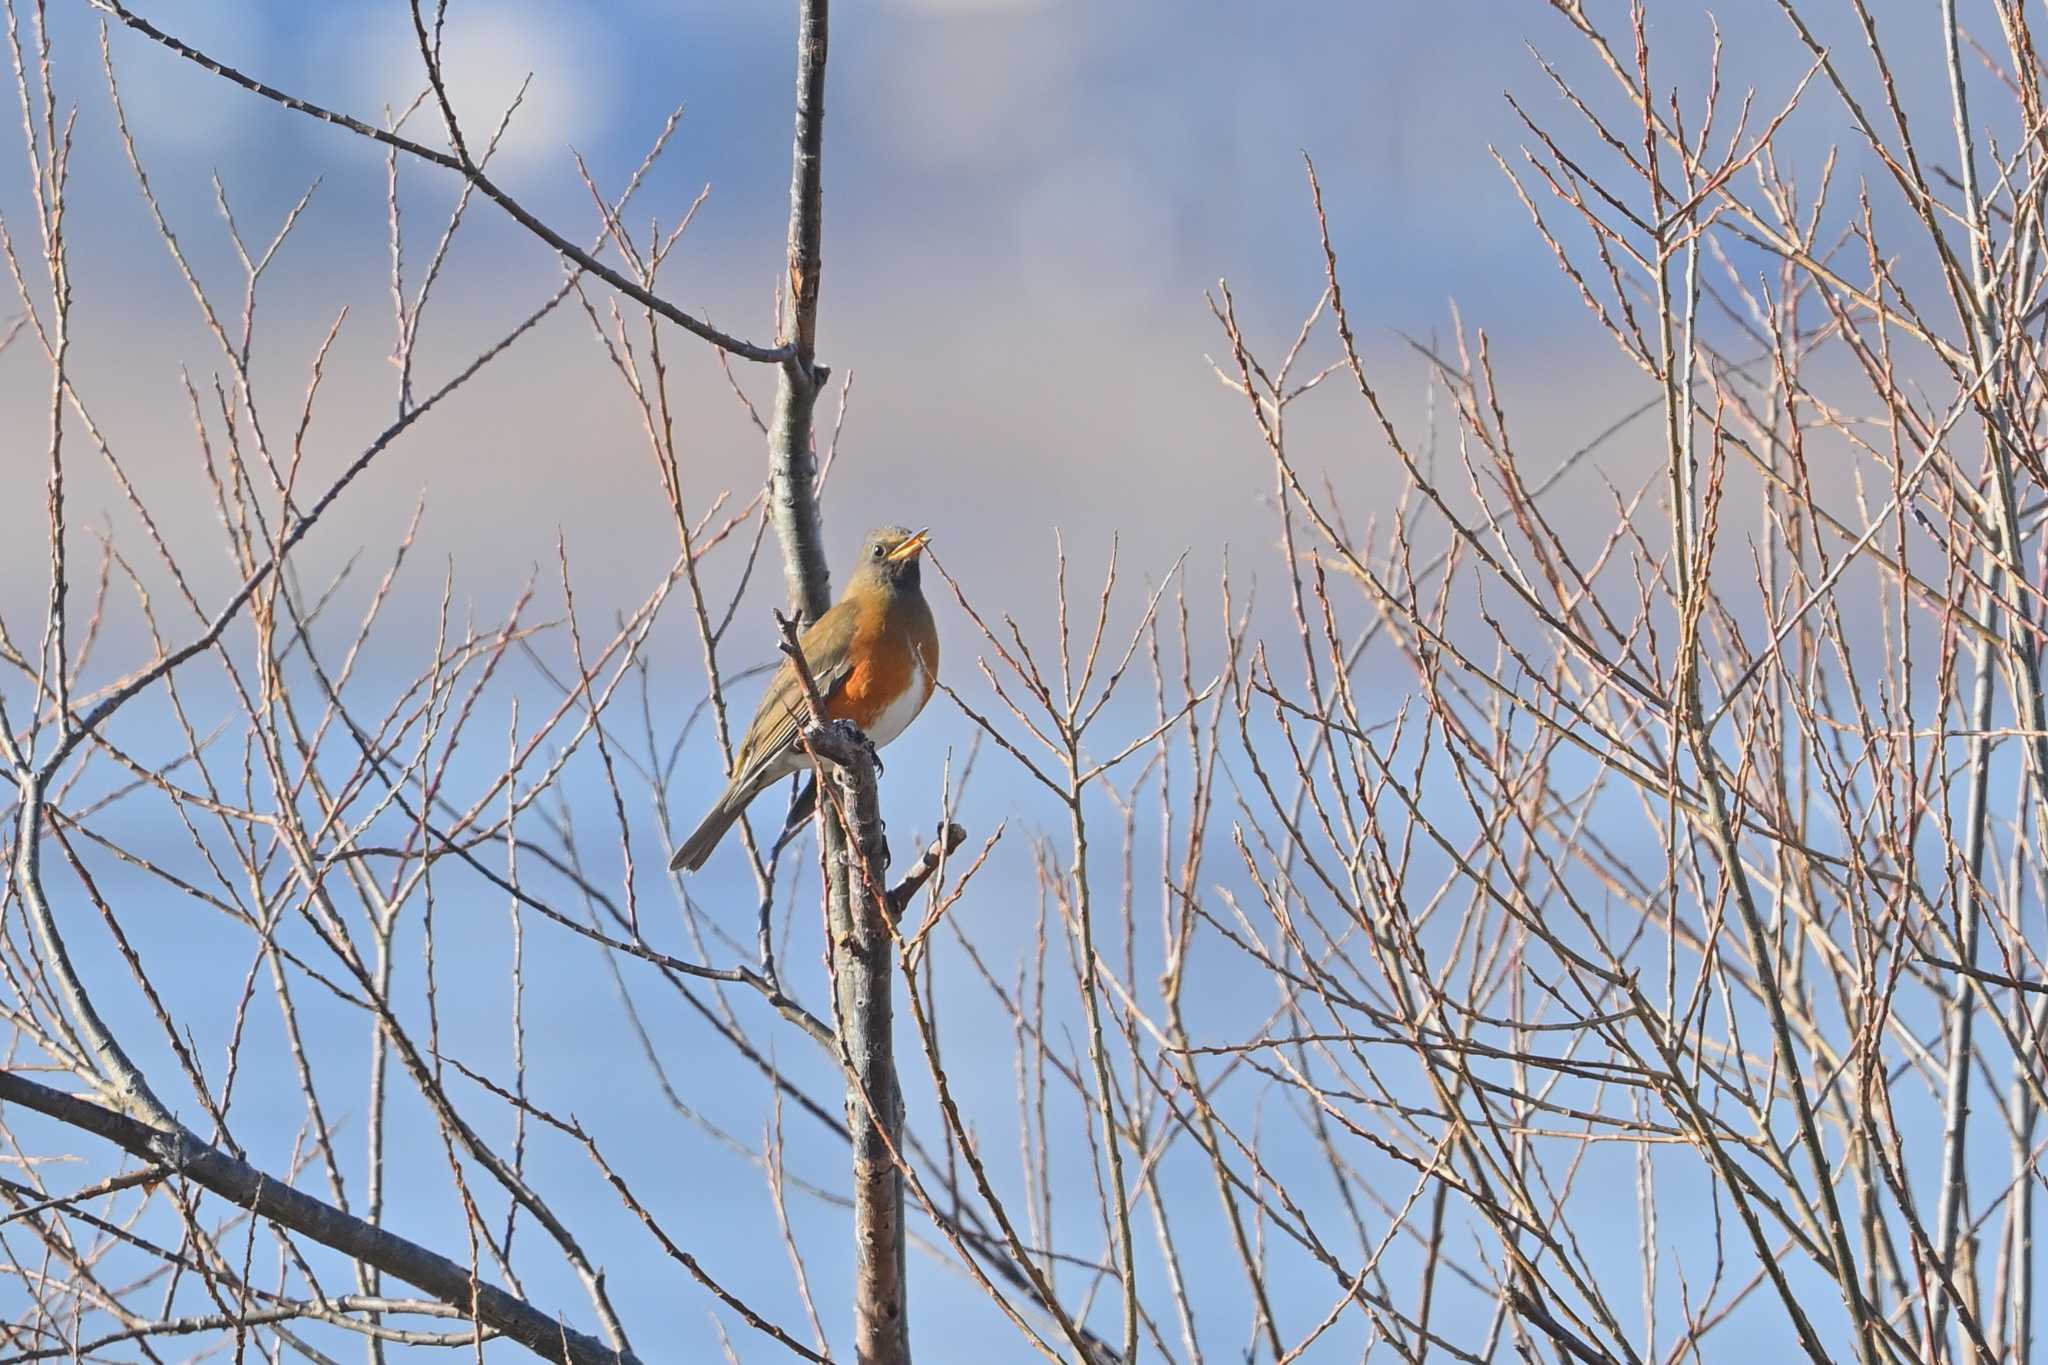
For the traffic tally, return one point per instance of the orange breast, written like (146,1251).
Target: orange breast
(887,670)
(881,673)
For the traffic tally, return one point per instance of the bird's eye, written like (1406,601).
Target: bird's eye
(878,550)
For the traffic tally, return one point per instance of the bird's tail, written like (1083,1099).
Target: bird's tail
(698,846)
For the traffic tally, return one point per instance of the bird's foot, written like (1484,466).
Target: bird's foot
(853,734)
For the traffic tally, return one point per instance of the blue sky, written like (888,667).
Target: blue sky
(1027,201)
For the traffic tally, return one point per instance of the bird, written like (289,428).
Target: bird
(875,658)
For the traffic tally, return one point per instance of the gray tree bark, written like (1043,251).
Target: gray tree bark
(863,982)
(849,817)
(792,462)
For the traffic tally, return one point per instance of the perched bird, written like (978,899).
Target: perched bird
(874,657)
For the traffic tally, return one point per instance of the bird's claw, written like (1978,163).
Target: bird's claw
(859,736)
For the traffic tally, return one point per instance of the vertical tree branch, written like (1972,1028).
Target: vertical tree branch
(792,471)
(863,985)
(125,1083)
(2004,571)
(857,914)
(860,949)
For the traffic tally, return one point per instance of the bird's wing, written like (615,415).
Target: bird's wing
(784,711)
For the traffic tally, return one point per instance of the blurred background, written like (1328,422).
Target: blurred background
(1028,203)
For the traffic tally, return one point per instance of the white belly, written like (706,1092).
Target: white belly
(904,709)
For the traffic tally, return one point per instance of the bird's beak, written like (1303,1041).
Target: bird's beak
(911,548)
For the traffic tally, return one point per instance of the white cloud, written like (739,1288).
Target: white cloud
(488,51)
(971,93)
(1096,216)
(172,104)
(969,6)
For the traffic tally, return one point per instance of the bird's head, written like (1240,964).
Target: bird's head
(889,558)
